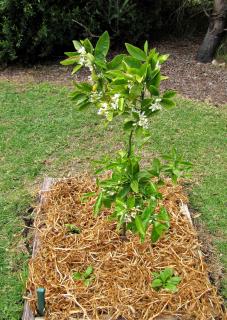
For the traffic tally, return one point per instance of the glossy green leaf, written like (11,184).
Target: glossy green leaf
(88,272)
(76,68)
(116,62)
(69,61)
(157,231)
(77,276)
(146,47)
(171,287)
(135,186)
(169,94)
(88,46)
(103,44)
(87,282)
(166,274)
(77,44)
(98,204)
(131,202)
(156,283)
(153,90)
(163,58)
(140,227)
(136,52)
(168,103)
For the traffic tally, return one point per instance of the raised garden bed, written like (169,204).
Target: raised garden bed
(122,276)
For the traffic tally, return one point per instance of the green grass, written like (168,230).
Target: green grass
(42,134)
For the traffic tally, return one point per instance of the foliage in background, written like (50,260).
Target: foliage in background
(32,30)
(221,54)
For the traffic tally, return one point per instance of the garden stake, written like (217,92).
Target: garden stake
(41,301)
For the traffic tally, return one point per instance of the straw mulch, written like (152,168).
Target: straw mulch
(123,269)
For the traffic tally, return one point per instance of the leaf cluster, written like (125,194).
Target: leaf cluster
(165,280)
(86,276)
(128,86)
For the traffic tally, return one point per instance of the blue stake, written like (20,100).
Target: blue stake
(41,301)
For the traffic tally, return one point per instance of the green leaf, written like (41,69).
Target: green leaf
(169,94)
(155,81)
(72,228)
(136,52)
(170,287)
(123,191)
(134,186)
(135,91)
(132,62)
(76,68)
(116,62)
(103,44)
(140,227)
(146,216)
(121,104)
(109,116)
(156,283)
(87,282)
(166,274)
(85,105)
(174,280)
(163,58)
(153,90)
(84,87)
(157,231)
(98,204)
(77,276)
(70,61)
(167,103)
(163,216)
(88,46)
(80,98)
(146,47)
(88,272)
(131,202)
(100,63)
(77,44)
(156,167)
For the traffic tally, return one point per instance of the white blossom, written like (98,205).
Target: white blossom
(104,109)
(82,50)
(143,120)
(130,85)
(115,101)
(84,61)
(156,105)
(131,215)
(158,66)
(94,96)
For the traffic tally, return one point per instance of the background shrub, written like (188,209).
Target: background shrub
(31,30)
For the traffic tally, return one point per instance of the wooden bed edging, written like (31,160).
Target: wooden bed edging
(47,183)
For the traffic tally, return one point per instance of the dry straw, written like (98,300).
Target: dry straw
(123,269)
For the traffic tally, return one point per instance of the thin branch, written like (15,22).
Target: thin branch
(86,29)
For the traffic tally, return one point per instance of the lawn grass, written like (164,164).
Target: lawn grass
(42,134)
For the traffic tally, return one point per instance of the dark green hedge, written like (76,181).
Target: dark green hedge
(34,29)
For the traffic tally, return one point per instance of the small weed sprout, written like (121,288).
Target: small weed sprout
(165,280)
(87,276)
(71,228)
(127,87)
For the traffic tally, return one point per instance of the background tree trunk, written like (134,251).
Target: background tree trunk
(214,33)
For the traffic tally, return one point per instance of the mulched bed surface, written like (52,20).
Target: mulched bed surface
(122,269)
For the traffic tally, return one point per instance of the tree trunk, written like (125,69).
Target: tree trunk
(214,33)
